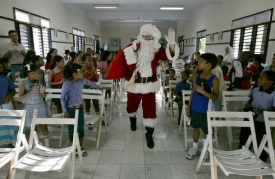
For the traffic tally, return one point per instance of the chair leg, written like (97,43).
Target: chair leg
(181,117)
(27,175)
(61,136)
(98,133)
(203,151)
(215,169)
(80,154)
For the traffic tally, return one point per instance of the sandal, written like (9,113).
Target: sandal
(83,151)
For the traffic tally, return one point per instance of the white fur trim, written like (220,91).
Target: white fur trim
(144,88)
(130,55)
(149,122)
(150,29)
(133,114)
(176,55)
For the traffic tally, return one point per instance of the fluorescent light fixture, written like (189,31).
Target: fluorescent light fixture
(105,6)
(171,7)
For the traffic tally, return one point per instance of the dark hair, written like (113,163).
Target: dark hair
(221,57)
(4,61)
(224,70)
(105,55)
(210,58)
(186,72)
(28,58)
(35,59)
(12,31)
(73,55)
(270,75)
(78,52)
(169,64)
(49,56)
(33,67)
(84,56)
(259,58)
(88,48)
(248,54)
(57,58)
(70,69)
(66,52)
(185,65)
(172,71)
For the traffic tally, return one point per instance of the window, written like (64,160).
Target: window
(201,41)
(78,39)
(250,34)
(181,44)
(34,33)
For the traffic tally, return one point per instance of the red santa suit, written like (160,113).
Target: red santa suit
(146,82)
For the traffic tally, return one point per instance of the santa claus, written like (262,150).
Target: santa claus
(137,63)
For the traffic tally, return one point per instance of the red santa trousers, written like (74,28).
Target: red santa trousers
(148,107)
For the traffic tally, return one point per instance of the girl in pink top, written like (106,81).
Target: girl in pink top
(103,64)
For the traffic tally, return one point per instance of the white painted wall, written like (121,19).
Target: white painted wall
(61,17)
(219,18)
(124,33)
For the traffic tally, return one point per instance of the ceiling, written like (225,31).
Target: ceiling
(134,12)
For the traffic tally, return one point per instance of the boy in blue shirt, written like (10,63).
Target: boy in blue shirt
(262,98)
(205,91)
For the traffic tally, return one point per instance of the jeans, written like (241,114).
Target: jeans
(80,125)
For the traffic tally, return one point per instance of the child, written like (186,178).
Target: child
(31,93)
(206,89)
(71,99)
(73,58)
(103,64)
(28,59)
(187,68)
(166,82)
(67,57)
(262,98)
(50,55)
(217,71)
(257,60)
(90,74)
(7,72)
(38,61)
(183,85)
(56,78)
(220,59)
(78,58)
(7,133)
(225,73)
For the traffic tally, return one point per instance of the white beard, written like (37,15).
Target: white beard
(146,55)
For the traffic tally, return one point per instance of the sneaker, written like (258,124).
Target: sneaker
(192,152)
(206,157)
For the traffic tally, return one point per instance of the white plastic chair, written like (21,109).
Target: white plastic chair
(163,77)
(233,96)
(109,84)
(43,159)
(237,162)
(96,118)
(171,87)
(269,119)
(11,154)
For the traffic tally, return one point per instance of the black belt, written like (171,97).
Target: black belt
(145,79)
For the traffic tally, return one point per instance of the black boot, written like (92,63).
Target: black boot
(133,121)
(149,137)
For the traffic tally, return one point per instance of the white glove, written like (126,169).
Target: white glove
(171,36)
(135,42)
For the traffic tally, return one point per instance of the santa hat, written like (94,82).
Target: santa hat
(150,29)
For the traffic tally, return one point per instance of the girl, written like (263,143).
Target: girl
(7,133)
(56,78)
(89,74)
(7,72)
(67,57)
(73,57)
(51,54)
(38,61)
(31,93)
(27,59)
(78,58)
(71,98)
(103,64)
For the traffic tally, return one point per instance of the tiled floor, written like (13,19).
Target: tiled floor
(123,154)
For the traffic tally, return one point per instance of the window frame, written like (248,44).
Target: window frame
(254,34)
(30,34)
(77,44)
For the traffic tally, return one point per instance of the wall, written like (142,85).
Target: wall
(61,17)
(124,34)
(219,18)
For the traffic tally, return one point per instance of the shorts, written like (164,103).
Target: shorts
(199,120)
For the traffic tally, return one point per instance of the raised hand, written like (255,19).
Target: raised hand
(170,38)
(9,74)
(199,88)
(17,73)
(35,89)
(42,89)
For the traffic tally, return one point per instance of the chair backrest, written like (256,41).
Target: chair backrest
(53,121)
(7,118)
(229,123)
(234,96)
(185,97)
(106,84)
(53,93)
(269,118)
(95,94)
(172,84)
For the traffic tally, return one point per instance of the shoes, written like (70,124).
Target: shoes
(192,152)
(83,151)
(149,137)
(133,121)
(206,157)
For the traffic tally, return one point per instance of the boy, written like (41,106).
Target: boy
(166,82)
(262,98)
(206,89)
(182,85)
